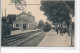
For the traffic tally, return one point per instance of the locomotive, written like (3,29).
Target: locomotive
(47,27)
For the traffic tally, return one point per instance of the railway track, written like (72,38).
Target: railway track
(10,40)
(32,39)
(21,41)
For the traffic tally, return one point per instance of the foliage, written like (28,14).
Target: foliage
(41,24)
(58,11)
(5,29)
(11,18)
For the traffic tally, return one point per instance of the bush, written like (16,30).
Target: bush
(15,29)
(5,29)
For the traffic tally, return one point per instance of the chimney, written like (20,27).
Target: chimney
(2,12)
(5,12)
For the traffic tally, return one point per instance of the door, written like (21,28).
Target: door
(24,26)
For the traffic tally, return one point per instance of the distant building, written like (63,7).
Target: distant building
(24,21)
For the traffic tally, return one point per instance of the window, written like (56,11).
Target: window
(17,25)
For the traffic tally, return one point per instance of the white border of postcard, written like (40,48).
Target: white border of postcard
(51,49)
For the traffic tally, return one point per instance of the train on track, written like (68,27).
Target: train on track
(47,27)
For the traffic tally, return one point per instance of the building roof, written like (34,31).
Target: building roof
(21,19)
(29,14)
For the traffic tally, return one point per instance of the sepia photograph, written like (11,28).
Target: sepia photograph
(38,23)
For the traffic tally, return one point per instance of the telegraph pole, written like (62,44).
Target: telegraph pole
(71,15)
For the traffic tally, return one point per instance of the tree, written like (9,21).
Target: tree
(5,29)
(41,24)
(58,11)
(11,18)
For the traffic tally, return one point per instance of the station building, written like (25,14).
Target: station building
(24,21)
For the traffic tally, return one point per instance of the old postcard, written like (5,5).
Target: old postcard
(37,23)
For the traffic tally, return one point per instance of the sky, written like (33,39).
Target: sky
(34,9)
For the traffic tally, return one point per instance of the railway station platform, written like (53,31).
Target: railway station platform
(52,39)
(21,31)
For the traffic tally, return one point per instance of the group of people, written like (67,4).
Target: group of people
(61,30)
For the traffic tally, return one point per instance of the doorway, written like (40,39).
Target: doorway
(24,26)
